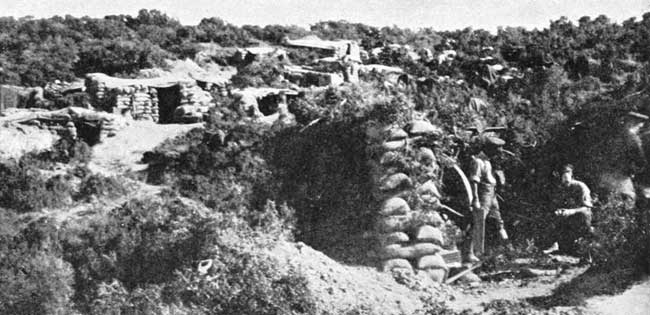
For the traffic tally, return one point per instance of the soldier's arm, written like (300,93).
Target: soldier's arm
(475,178)
(585,208)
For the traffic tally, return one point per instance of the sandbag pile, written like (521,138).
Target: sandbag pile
(97,91)
(406,174)
(194,103)
(195,96)
(140,101)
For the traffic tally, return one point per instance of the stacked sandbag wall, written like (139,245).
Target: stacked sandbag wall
(98,93)
(139,101)
(409,228)
(193,95)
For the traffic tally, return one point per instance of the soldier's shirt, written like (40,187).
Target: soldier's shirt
(574,195)
(480,171)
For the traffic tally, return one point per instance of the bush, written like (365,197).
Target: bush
(96,185)
(246,282)
(33,282)
(24,189)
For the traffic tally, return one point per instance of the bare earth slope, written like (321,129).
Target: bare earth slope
(122,152)
(634,301)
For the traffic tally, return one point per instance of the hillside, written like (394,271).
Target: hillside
(154,168)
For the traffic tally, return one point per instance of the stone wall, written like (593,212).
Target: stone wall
(409,227)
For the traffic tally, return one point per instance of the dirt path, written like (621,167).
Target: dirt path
(634,301)
(512,289)
(122,152)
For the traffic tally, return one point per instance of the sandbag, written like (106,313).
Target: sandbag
(398,263)
(394,145)
(394,223)
(428,188)
(393,238)
(394,181)
(410,251)
(389,157)
(432,218)
(397,134)
(431,262)
(437,275)
(429,234)
(423,127)
(395,206)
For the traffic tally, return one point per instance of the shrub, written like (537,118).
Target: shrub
(33,282)
(24,189)
(96,185)
(246,282)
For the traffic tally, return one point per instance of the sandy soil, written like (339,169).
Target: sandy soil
(16,140)
(634,301)
(122,152)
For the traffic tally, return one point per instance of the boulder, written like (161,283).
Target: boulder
(398,263)
(395,206)
(431,262)
(394,181)
(427,233)
(410,251)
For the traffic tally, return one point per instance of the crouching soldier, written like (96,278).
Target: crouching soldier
(484,180)
(574,205)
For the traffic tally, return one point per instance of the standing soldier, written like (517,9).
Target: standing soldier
(484,180)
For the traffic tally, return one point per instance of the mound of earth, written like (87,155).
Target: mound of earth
(341,288)
(19,139)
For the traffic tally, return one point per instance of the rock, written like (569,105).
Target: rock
(394,223)
(423,127)
(395,206)
(394,145)
(431,262)
(393,238)
(398,263)
(410,251)
(394,181)
(437,275)
(427,233)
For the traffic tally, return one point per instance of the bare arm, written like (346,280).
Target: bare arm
(475,200)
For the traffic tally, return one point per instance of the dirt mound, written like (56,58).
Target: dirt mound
(123,152)
(19,139)
(340,288)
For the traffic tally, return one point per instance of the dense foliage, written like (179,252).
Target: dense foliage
(251,184)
